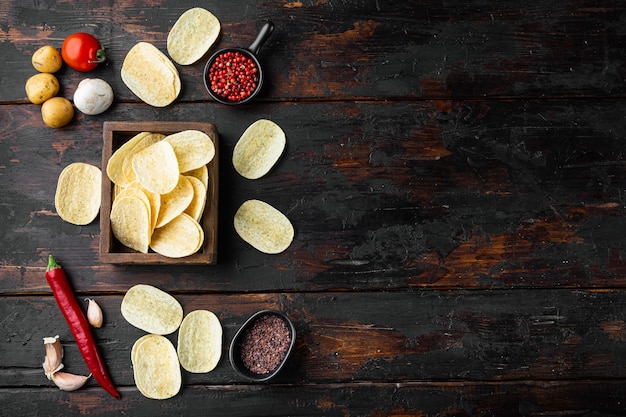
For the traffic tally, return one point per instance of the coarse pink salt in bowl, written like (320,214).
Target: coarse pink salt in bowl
(262,345)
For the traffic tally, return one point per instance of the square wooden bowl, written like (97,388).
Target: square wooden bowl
(111,250)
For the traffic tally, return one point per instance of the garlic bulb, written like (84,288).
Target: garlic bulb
(54,356)
(94,314)
(69,382)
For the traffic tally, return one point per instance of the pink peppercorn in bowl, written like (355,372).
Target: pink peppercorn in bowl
(262,345)
(234,76)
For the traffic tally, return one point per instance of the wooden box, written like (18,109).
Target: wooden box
(111,250)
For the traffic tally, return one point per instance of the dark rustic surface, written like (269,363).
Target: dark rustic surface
(455,175)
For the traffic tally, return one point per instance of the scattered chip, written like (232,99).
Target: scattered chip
(258,149)
(155,367)
(151,309)
(193,34)
(130,222)
(78,194)
(156,167)
(193,149)
(180,237)
(150,75)
(200,341)
(263,227)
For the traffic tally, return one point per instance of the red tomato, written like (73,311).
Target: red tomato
(82,51)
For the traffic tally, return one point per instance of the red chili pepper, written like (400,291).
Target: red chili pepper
(55,275)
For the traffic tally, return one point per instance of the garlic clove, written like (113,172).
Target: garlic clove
(94,313)
(69,382)
(54,355)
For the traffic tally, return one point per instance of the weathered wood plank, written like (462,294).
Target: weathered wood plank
(443,194)
(345,50)
(498,335)
(550,398)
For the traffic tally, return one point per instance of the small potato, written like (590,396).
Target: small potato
(57,112)
(41,87)
(47,59)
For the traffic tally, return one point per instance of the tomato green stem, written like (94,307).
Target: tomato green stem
(101,56)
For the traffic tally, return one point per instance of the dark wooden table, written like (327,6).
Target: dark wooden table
(456,176)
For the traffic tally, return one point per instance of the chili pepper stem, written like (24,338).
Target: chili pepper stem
(51,263)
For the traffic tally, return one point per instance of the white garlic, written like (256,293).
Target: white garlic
(69,382)
(54,356)
(94,314)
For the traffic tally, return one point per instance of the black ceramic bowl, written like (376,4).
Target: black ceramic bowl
(251,53)
(244,347)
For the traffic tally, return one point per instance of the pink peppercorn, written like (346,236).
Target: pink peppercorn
(233,76)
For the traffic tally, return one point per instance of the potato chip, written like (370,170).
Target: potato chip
(176,201)
(133,350)
(201,173)
(127,165)
(156,167)
(263,227)
(151,309)
(258,149)
(193,149)
(155,206)
(115,165)
(181,237)
(193,34)
(156,368)
(196,206)
(200,341)
(130,222)
(150,75)
(78,194)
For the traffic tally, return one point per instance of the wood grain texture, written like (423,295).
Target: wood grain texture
(366,49)
(342,337)
(382,195)
(455,175)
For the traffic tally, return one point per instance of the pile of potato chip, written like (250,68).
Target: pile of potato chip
(156,362)
(160,189)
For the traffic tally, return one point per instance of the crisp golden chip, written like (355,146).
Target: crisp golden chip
(115,165)
(176,201)
(150,75)
(156,167)
(201,173)
(78,194)
(127,165)
(181,237)
(196,206)
(258,149)
(263,227)
(135,189)
(200,341)
(133,351)
(155,206)
(151,309)
(156,368)
(193,149)
(130,222)
(192,35)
